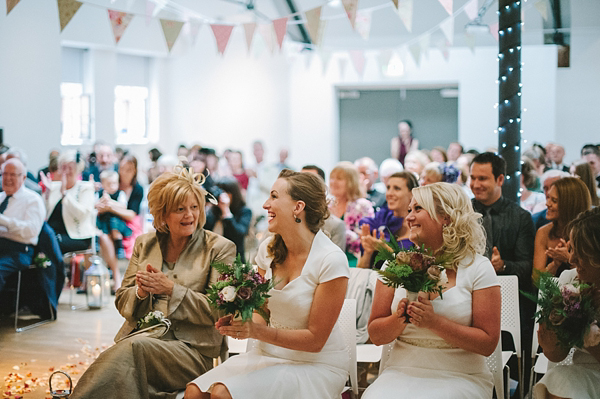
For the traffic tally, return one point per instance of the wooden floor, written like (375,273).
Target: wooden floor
(70,343)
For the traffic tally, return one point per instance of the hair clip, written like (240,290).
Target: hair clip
(186,173)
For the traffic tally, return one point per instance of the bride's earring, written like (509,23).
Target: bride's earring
(297,219)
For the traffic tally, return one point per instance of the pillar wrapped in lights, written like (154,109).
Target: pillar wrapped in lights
(97,281)
(509,104)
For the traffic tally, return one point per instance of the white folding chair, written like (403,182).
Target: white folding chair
(496,364)
(511,321)
(17,300)
(347,323)
(369,353)
(386,351)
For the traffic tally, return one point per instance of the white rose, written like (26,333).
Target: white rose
(228,293)
(443,278)
(592,338)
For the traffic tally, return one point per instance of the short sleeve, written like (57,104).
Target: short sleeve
(335,265)
(262,257)
(483,274)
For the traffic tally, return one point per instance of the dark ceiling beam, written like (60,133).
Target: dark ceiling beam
(301,27)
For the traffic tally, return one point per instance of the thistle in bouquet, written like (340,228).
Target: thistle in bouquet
(240,290)
(568,310)
(412,269)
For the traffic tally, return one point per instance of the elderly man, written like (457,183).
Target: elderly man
(22,214)
(105,160)
(367,170)
(556,154)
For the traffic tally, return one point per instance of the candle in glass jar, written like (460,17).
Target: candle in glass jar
(96,291)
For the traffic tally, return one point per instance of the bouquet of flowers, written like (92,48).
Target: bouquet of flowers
(413,269)
(567,310)
(240,290)
(41,261)
(151,319)
(153,325)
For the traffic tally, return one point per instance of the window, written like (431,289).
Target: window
(130,114)
(75,109)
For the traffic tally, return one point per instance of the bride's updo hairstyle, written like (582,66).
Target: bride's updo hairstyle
(464,235)
(585,237)
(310,189)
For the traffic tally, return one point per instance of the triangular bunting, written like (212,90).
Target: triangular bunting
(405,11)
(363,23)
(343,62)
(280,27)
(193,29)
(222,34)
(443,46)
(358,60)
(150,6)
(384,58)
(313,24)
(249,34)
(447,28)
(470,40)
(351,6)
(472,9)
(119,21)
(395,3)
(542,7)
(268,35)
(447,4)
(494,30)
(10,4)
(66,11)
(424,42)
(171,30)
(415,51)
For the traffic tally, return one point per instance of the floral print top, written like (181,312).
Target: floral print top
(355,211)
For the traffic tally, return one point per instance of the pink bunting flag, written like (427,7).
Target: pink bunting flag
(119,21)
(10,4)
(363,23)
(66,11)
(405,12)
(280,26)
(171,30)
(358,60)
(494,30)
(447,4)
(249,33)
(150,6)
(471,9)
(351,6)
(222,34)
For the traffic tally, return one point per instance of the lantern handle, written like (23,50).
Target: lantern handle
(60,394)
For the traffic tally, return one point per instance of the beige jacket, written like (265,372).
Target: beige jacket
(188,308)
(77,208)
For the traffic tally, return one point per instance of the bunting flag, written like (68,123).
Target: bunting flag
(313,24)
(494,30)
(472,9)
(10,4)
(542,7)
(171,30)
(249,34)
(358,60)
(405,11)
(119,21)
(447,28)
(222,34)
(395,3)
(384,58)
(268,35)
(343,63)
(280,27)
(351,6)
(66,11)
(447,4)
(150,6)
(470,41)
(193,29)
(415,51)
(363,23)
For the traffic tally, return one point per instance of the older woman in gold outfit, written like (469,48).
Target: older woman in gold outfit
(169,271)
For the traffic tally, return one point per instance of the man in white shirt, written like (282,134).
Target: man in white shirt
(22,215)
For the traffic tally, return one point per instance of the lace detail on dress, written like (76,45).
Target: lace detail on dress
(427,343)
(276,324)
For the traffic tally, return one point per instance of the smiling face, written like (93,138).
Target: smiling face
(423,229)
(338,185)
(280,207)
(183,220)
(397,195)
(13,177)
(552,204)
(486,188)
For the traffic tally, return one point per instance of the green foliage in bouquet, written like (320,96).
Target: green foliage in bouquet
(240,290)
(150,319)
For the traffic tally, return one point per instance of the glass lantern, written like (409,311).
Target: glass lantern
(97,283)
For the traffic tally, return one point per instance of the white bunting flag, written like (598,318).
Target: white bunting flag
(447,28)
(405,11)
(472,9)
(363,23)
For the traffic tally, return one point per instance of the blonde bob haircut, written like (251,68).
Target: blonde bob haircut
(169,191)
(347,171)
(464,235)
(71,156)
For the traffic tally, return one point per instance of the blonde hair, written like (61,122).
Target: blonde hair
(169,191)
(464,236)
(433,169)
(109,174)
(349,173)
(72,156)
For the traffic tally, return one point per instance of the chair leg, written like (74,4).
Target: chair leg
(17,301)
(521,376)
(30,326)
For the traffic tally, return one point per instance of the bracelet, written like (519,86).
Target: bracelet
(137,295)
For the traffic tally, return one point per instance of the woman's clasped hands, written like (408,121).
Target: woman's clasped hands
(153,281)
(421,312)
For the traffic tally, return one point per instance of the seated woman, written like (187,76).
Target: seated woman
(441,353)
(302,353)
(392,217)
(567,197)
(531,201)
(230,218)
(349,205)
(170,271)
(580,379)
(584,171)
(70,206)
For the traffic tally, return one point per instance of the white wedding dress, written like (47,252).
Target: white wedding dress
(423,365)
(270,371)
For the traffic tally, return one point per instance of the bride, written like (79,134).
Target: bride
(301,354)
(441,353)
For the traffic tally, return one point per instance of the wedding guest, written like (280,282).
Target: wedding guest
(349,205)
(441,353)
(591,154)
(583,170)
(105,160)
(579,379)
(392,217)
(154,170)
(236,163)
(387,168)
(416,161)
(549,177)
(301,354)
(556,155)
(367,170)
(170,272)
(531,201)
(134,192)
(436,172)
(455,150)
(438,154)
(404,142)
(567,198)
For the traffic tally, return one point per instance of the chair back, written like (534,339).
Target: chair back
(386,351)
(494,363)
(510,316)
(347,323)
